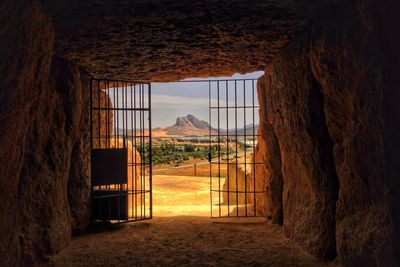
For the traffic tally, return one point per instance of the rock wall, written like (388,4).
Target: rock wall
(42,101)
(267,152)
(347,62)
(237,179)
(171,40)
(103,120)
(73,87)
(332,102)
(240,178)
(295,111)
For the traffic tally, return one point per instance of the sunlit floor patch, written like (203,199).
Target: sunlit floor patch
(181,196)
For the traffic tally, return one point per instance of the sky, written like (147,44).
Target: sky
(171,100)
(175,99)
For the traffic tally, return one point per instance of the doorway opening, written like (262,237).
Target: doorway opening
(191,144)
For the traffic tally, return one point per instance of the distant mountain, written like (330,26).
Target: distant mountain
(191,126)
(188,126)
(248,130)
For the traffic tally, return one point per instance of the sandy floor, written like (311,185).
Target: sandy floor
(193,240)
(185,241)
(181,195)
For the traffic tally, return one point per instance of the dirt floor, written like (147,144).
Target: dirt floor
(194,240)
(185,241)
(181,195)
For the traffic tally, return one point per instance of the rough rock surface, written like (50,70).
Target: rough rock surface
(102,120)
(74,90)
(332,101)
(295,110)
(38,119)
(269,175)
(237,173)
(173,39)
(241,177)
(346,61)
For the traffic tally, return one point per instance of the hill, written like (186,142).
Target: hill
(188,126)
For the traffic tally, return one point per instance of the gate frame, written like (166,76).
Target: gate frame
(255,193)
(125,84)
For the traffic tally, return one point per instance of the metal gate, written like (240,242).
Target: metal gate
(235,189)
(121,166)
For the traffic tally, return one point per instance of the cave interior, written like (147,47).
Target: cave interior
(329,112)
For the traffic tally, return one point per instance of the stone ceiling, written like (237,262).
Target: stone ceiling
(167,40)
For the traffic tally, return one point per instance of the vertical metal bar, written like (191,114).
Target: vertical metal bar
(144,145)
(106,101)
(210,146)
(123,115)
(219,153)
(227,180)
(254,155)
(126,115)
(107,122)
(99,140)
(116,119)
(115,134)
(150,154)
(245,148)
(99,113)
(125,187)
(91,142)
(135,131)
(133,157)
(118,129)
(91,113)
(143,151)
(236,144)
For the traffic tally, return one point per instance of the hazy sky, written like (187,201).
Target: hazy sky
(171,100)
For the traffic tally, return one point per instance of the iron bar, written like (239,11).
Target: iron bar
(234,107)
(121,109)
(210,148)
(135,130)
(254,153)
(150,153)
(142,148)
(236,143)
(233,163)
(133,157)
(219,153)
(227,179)
(245,148)
(209,80)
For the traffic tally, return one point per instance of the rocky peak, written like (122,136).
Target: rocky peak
(182,122)
(200,124)
(188,125)
(191,121)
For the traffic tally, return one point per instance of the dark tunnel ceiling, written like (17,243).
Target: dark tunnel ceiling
(173,39)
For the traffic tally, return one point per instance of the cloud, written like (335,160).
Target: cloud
(178,101)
